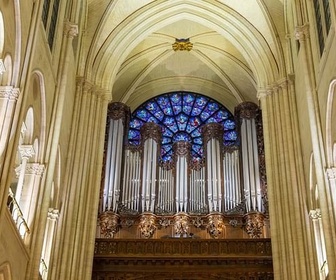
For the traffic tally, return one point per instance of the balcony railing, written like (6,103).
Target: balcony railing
(17,215)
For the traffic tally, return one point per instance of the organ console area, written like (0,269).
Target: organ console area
(193,170)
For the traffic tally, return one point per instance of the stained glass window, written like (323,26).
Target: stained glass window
(181,116)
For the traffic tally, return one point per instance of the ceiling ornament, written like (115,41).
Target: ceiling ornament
(182,45)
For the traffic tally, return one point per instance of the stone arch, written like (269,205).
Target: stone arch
(330,125)
(6,76)
(5,271)
(157,15)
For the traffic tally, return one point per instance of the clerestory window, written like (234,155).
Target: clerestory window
(49,19)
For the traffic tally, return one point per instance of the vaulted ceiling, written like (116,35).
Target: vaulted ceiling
(237,48)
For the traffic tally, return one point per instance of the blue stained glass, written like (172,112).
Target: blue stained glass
(143,114)
(170,122)
(177,109)
(182,121)
(166,148)
(181,116)
(201,102)
(159,115)
(188,99)
(206,114)
(196,133)
(136,123)
(187,109)
(198,140)
(176,99)
(167,132)
(166,140)
(168,111)
(230,136)
(229,124)
(182,136)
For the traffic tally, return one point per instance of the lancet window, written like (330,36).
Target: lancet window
(185,159)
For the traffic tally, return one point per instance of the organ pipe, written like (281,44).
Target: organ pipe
(151,139)
(118,117)
(213,137)
(247,113)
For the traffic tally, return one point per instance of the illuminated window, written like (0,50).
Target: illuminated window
(323,21)
(49,19)
(181,116)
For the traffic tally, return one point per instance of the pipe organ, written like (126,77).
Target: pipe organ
(140,187)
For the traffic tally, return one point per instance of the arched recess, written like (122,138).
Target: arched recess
(330,125)
(6,76)
(5,271)
(39,94)
(2,34)
(154,16)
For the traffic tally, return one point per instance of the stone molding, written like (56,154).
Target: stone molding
(183,247)
(10,93)
(315,214)
(35,169)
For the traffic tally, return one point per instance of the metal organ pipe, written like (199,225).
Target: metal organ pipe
(118,115)
(213,135)
(151,137)
(247,113)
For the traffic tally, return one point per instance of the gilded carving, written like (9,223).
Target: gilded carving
(181,225)
(182,45)
(109,224)
(246,110)
(215,225)
(254,224)
(151,130)
(212,130)
(147,225)
(118,110)
(181,149)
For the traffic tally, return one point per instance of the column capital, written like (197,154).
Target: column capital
(302,32)
(212,130)
(315,214)
(331,173)
(70,29)
(8,92)
(247,110)
(2,67)
(26,151)
(35,169)
(151,130)
(53,214)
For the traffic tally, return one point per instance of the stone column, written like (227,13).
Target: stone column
(325,195)
(213,138)
(286,187)
(70,31)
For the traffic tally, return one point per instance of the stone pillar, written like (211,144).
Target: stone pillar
(181,160)
(151,142)
(325,195)
(70,31)
(213,138)
(26,152)
(8,100)
(287,208)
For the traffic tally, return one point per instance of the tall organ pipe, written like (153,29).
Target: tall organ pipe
(213,137)
(181,157)
(247,113)
(151,139)
(118,116)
